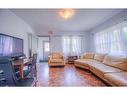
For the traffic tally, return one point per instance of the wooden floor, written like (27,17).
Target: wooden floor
(66,76)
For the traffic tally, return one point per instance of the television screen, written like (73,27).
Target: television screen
(10,46)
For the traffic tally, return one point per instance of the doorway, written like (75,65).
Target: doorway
(43,48)
(46,50)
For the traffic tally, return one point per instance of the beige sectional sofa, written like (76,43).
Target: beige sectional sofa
(111,69)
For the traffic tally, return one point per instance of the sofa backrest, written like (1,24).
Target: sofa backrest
(99,57)
(88,56)
(116,61)
(56,55)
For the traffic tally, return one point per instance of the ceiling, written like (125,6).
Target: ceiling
(45,20)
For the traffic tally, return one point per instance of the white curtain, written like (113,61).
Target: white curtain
(113,40)
(5,45)
(71,45)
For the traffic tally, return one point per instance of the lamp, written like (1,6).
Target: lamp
(66,13)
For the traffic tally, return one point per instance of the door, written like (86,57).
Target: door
(46,50)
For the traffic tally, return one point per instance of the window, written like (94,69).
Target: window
(72,45)
(113,40)
(46,47)
(125,32)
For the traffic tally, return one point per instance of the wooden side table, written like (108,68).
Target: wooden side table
(71,59)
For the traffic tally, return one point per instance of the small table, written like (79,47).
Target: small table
(20,64)
(71,59)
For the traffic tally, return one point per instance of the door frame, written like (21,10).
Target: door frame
(49,42)
(43,43)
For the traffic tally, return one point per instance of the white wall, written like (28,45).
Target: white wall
(118,18)
(122,16)
(34,44)
(86,42)
(56,42)
(11,24)
(58,32)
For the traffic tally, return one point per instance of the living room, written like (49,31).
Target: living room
(91,45)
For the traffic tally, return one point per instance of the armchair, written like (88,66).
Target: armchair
(56,59)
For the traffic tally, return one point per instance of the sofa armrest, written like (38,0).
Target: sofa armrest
(49,58)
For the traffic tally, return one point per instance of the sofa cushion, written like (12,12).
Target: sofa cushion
(88,55)
(99,57)
(56,56)
(84,60)
(56,60)
(95,62)
(87,62)
(119,79)
(116,61)
(101,68)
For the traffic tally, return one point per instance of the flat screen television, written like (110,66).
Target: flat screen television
(10,46)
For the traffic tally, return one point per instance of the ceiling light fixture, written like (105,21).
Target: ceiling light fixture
(66,13)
